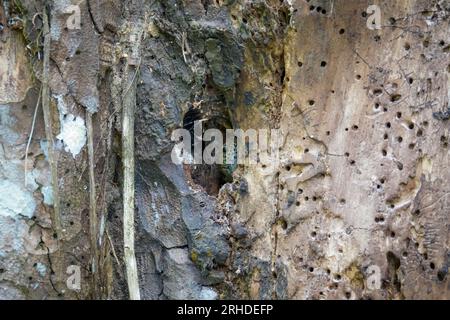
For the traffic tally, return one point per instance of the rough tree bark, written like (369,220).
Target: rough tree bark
(358,207)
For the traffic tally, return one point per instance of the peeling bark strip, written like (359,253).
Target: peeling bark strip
(357,209)
(56,217)
(128,107)
(129,101)
(93,219)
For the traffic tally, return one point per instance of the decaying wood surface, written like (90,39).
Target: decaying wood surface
(358,207)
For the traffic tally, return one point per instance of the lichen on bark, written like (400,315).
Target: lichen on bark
(360,190)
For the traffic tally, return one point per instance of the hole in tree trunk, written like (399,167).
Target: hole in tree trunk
(210,177)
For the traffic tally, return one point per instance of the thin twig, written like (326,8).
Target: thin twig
(364,60)
(128,106)
(113,250)
(56,218)
(31,135)
(93,219)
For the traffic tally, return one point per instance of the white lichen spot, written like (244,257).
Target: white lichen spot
(90,103)
(41,269)
(73,134)
(15,201)
(208,294)
(55,29)
(102,230)
(47,192)
(7,133)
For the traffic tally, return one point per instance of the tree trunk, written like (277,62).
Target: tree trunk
(356,208)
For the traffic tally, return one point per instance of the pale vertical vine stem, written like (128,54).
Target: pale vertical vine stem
(129,101)
(93,219)
(56,216)
(33,123)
